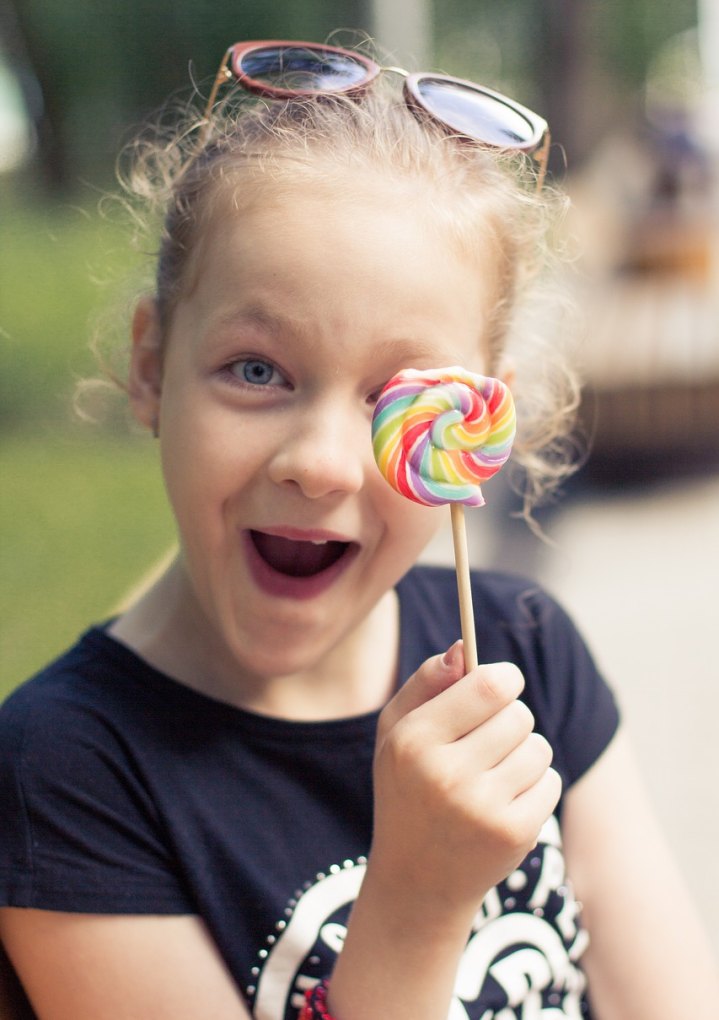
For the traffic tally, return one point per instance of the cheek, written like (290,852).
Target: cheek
(202,462)
(411,523)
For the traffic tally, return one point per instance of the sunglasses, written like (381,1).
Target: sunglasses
(289,70)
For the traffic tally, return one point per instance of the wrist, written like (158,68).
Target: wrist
(399,952)
(412,903)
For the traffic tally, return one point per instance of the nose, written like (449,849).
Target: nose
(323,452)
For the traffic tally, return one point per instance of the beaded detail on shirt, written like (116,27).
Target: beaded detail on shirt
(521,960)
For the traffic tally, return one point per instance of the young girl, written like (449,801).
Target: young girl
(275,754)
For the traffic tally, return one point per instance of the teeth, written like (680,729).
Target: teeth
(318,541)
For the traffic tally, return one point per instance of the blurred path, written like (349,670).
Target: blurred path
(639,573)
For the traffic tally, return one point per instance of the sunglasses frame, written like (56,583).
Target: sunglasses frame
(230,67)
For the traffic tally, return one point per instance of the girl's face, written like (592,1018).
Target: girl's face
(299,312)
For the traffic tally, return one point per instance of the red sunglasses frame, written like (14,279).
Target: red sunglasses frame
(536,146)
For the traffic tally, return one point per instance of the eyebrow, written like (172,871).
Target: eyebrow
(256,315)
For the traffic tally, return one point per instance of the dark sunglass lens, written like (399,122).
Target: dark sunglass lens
(473,113)
(300,68)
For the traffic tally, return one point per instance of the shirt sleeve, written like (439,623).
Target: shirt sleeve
(80,831)
(574,707)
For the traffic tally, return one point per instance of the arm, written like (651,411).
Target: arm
(96,967)
(462,788)
(13,1001)
(648,958)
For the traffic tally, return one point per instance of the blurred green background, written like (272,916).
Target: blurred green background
(82,511)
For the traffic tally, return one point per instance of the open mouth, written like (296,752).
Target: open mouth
(298,559)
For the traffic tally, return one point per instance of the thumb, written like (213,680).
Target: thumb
(433,676)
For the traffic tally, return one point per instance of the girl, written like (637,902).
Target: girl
(276,754)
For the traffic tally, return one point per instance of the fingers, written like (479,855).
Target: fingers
(466,703)
(480,717)
(530,809)
(526,783)
(433,676)
(473,700)
(489,744)
(457,754)
(459,703)
(523,766)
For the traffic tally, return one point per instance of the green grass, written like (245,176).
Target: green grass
(82,509)
(82,518)
(60,264)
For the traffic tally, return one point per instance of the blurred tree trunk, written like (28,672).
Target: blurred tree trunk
(563,49)
(32,60)
(404,28)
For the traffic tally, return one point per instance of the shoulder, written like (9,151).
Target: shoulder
(84,832)
(45,695)
(85,684)
(68,728)
(508,602)
(515,619)
(59,726)
(98,710)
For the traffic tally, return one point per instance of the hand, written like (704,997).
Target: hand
(462,785)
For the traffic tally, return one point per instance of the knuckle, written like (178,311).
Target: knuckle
(521,716)
(515,835)
(405,742)
(554,781)
(540,748)
(500,682)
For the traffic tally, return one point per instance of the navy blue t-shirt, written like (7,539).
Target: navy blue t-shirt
(123,791)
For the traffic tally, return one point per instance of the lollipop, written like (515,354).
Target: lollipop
(436,437)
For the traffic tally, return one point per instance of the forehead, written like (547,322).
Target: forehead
(338,245)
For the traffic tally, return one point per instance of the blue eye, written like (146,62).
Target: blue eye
(255,371)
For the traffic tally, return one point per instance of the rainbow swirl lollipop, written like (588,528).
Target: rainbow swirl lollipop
(438,435)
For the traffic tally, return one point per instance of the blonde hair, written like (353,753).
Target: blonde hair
(177,178)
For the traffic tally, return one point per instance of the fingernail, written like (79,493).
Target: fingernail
(454,655)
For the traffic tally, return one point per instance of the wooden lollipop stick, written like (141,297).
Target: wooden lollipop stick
(464,590)
(432,426)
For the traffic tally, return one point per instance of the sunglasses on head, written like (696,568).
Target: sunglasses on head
(279,69)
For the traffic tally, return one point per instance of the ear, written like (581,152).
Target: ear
(145,376)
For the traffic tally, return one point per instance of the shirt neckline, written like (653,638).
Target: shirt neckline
(150,679)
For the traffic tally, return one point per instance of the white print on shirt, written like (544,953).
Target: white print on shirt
(520,962)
